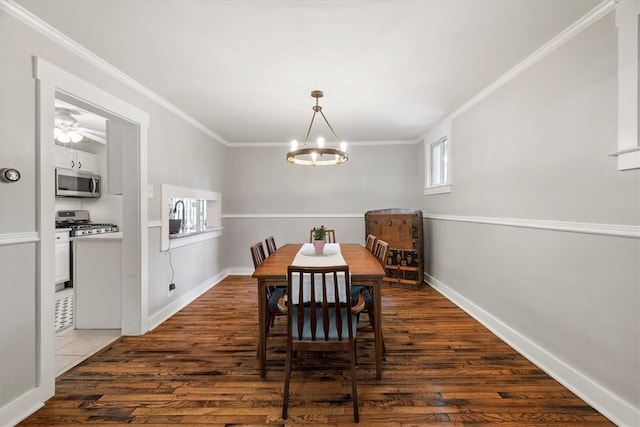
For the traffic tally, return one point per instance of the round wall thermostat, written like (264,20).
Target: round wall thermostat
(9,174)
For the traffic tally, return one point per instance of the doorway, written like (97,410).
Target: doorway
(98,136)
(54,82)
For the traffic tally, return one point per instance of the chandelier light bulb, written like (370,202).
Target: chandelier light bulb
(294,145)
(343,146)
(320,142)
(314,156)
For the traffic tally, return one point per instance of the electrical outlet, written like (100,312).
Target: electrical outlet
(172,288)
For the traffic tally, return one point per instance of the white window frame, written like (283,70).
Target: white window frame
(214,216)
(445,167)
(627,22)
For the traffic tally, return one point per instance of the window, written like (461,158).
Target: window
(437,167)
(195,212)
(200,210)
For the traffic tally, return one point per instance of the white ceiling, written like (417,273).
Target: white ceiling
(245,69)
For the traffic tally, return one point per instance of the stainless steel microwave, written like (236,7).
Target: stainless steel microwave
(71,183)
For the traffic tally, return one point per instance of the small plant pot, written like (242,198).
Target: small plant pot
(318,246)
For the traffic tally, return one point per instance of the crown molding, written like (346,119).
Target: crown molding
(59,38)
(349,143)
(56,36)
(576,28)
(41,26)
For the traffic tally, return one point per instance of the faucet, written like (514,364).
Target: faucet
(175,209)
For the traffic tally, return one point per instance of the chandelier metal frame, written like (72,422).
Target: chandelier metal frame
(314,156)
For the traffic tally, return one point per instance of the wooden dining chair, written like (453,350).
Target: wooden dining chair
(257,254)
(271,245)
(273,292)
(329,236)
(320,318)
(371,242)
(380,251)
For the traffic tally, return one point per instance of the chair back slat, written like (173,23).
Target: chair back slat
(271,245)
(338,307)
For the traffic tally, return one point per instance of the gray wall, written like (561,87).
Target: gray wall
(178,154)
(536,149)
(266,195)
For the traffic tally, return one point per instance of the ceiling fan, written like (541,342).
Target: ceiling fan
(67,128)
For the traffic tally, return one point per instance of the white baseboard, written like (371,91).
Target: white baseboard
(22,407)
(604,401)
(157,318)
(238,271)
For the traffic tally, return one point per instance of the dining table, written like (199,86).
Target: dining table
(364,268)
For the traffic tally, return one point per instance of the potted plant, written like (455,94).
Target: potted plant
(318,239)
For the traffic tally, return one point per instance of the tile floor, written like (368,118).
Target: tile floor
(75,345)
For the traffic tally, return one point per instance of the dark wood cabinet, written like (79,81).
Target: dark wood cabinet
(402,229)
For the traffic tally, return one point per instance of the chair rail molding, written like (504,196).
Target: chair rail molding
(612,230)
(19,238)
(288,215)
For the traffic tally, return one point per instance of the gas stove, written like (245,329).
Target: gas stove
(80,225)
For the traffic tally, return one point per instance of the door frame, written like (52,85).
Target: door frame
(49,80)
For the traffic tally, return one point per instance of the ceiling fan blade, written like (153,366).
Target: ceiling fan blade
(96,132)
(93,134)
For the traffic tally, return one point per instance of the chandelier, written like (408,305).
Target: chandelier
(318,155)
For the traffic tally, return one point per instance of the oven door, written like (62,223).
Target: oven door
(77,184)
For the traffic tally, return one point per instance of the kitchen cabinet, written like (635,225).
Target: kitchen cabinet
(402,229)
(62,258)
(68,158)
(97,281)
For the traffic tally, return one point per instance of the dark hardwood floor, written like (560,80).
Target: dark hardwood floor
(200,367)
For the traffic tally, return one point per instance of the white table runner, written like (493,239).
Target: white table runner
(307,258)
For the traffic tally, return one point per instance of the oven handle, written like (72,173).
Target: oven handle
(93,185)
